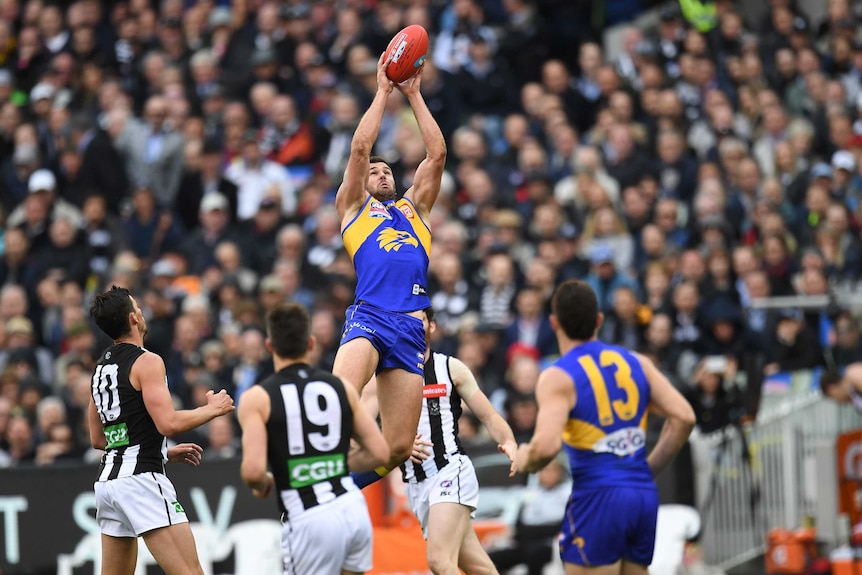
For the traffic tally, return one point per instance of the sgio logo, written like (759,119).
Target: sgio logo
(622,442)
(310,470)
(117,435)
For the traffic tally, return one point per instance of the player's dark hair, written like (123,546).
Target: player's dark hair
(379,160)
(577,309)
(829,379)
(429,313)
(288,327)
(110,310)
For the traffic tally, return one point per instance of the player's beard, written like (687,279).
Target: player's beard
(384,195)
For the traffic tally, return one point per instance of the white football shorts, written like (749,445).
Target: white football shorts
(130,506)
(455,483)
(329,538)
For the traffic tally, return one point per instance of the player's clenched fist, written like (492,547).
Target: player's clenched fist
(221,401)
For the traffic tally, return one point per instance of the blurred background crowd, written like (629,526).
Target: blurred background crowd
(190,150)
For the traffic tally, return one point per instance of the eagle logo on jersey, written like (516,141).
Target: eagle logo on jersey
(391,239)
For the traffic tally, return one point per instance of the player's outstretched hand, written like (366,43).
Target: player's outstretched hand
(188,453)
(510,448)
(384,84)
(420,453)
(411,86)
(268,482)
(221,401)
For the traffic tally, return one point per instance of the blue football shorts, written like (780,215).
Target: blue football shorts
(398,338)
(604,525)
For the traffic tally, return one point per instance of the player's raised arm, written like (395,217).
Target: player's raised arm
(149,374)
(667,402)
(555,395)
(352,192)
(426,182)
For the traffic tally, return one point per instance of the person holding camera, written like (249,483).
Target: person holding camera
(714,396)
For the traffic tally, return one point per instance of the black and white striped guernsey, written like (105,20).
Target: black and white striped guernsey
(308,437)
(441,408)
(134,444)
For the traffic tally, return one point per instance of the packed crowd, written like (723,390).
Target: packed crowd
(191,151)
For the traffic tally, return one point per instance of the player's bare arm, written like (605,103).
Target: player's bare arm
(666,402)
(148,376)
(370,450)
(555,394)
(351,193)
(253,414)
(468,388)
(426,182)
(97,432)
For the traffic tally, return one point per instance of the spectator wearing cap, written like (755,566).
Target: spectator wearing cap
(253,174)
(298,28)
(215,227)
(845,180)
(149,227)
(205,178)
(795,345)
(153,152)
(258,235)
(265,68)
(41,100)
(604,277)
(42,185)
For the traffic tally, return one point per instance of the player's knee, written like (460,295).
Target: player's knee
(440,563)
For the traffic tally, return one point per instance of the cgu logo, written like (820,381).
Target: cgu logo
(622,442)
(117,435)
(307,471)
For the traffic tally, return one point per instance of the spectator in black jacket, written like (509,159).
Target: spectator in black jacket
(795,345)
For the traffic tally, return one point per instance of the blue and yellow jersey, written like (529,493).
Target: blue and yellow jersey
(605,437)
(390,246)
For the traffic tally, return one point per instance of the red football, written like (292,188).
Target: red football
(407,51)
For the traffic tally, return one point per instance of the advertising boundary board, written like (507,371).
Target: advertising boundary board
(47,513)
